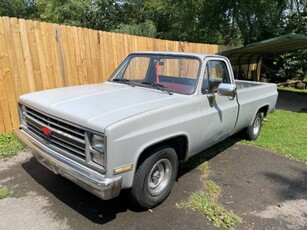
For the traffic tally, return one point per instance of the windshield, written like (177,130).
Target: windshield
(169,73)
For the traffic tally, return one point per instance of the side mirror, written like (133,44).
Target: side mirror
(228,90)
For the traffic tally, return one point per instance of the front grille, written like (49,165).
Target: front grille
(65,138)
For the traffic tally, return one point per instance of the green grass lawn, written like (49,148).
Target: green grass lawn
(206,202)
(4,192)
(285,133)
(292,90)
(9,146)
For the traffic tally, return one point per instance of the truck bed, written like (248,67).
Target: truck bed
(253,96)
(247,84)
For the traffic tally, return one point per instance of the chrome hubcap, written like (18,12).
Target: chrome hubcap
(256,126)
(159,177)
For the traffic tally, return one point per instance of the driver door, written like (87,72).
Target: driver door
(219,113)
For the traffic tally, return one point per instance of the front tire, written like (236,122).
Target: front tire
(155,177)
(253,131)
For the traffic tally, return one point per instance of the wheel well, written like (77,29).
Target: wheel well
(264,110)
(178,143)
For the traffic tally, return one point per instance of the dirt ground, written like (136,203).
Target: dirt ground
(265,189)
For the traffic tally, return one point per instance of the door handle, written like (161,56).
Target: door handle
(211,98)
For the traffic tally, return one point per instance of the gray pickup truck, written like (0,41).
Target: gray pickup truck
(157,109)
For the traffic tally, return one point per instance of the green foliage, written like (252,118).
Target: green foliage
(297,21)
(204,167)
(285,133)
(70,12)
(280,68)
(17,8)
(216,213)
(205,203)
(293,90)
(9,146)
(235,22)
(212,188)
(146,28)
(257,20)
(216,25)
(104,15)
(4,192)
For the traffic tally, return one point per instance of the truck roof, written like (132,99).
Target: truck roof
(198,55)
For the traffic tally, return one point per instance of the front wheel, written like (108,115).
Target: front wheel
(253,130)
(155,177)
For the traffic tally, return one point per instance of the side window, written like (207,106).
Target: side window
(217,73)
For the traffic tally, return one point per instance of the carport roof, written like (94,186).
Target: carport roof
(253,52)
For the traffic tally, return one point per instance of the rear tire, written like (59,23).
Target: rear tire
(155,178)
(253,131)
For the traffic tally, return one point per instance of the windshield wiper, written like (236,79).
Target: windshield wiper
(157,86)
(125,81)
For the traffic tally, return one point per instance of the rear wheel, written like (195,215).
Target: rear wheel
(253,131)
(155,177)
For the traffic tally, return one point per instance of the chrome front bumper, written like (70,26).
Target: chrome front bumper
(90,180)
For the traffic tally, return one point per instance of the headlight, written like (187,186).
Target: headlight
(23,114)
(23,111)
(98,143)
(97,158)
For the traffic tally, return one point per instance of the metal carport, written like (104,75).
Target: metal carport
(251,55)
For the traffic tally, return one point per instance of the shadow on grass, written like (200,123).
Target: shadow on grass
(208,154)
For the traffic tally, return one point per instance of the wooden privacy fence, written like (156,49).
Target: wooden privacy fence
(36,56)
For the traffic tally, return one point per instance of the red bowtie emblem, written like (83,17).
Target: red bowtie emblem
(46,131)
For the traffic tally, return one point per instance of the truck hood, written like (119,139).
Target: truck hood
(99,105)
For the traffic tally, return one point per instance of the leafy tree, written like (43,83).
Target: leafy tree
(216,24)
(235,21)
(104,15)
(280,68)
(17,8)
(146,28)
(71,12)
(175,19)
